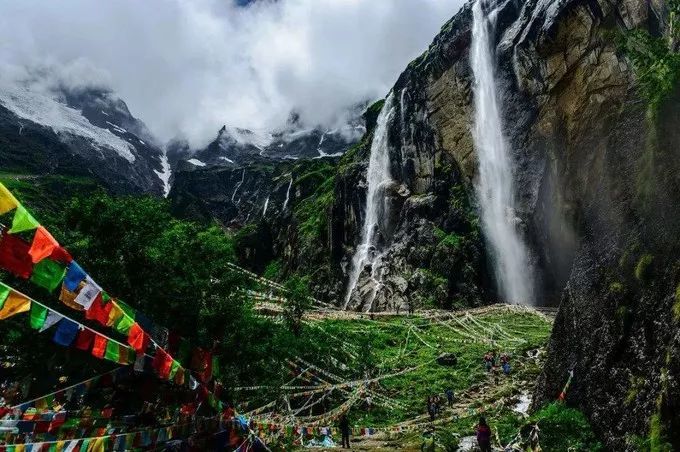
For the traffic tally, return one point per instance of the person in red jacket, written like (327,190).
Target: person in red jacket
(483,435)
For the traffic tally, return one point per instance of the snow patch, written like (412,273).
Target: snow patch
(43,109)
(117,128)
(196,162)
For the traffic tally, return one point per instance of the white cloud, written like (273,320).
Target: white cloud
(186,67)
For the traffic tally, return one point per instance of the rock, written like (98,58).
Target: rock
(447,359)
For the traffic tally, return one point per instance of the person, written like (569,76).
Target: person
(449,397)
(430,408)
(506,368)
(483,435)
(488,361)
(344,431)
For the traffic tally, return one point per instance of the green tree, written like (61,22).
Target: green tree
(298,301)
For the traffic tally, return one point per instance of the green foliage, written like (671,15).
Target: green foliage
(273,270)
(616,288)
(298,301)
(565,429)
(451,241)
(312,212)
(643,267)
(656,441)
(656,61)
(676,304)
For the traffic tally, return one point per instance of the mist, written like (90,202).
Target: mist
(187,67)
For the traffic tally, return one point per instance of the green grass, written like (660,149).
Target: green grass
(360,349)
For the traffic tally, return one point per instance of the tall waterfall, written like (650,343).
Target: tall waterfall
(377,177)
(495,186)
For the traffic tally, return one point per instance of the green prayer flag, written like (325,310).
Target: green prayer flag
(23,221)
(86,444)
(38,316)
(48,274)
(173,370)
(105,297)
(124,324)
(4,293)
(53,447)
(112,351)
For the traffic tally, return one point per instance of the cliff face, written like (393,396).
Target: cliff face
(596,170)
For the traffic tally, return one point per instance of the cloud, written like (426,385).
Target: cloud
(186,67)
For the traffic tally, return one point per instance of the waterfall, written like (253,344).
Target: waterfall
(377,177)
(285,203)
(495,186)
(238,185)
(266,204)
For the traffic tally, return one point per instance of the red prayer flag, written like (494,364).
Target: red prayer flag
(84,339)
(14,255)
(43,245)
(99,310)
(61,255)
(162,363)
(99,347)
(137,338)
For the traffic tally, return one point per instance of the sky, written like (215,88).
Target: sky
(187,67)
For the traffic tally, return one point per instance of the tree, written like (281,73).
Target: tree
(298,301)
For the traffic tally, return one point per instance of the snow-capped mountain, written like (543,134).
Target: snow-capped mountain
(79,132)
(238,146)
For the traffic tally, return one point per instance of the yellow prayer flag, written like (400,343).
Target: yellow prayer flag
(7,200)
(97,445)
(60,446)
(15,304)
(69,298)
(115,314)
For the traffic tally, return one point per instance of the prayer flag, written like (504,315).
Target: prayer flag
(66,332)
(99,347)
(201,362)
(43,245)
(174,367)
(48,274)
(162,362)
(69,298)
(23,221)
(114,314)
(74,276)
(61,255)
(14,304)
(137,338)
(124,324)
(127,309)
(38,315)
(14,256)
(84,339)
(179,376)
(52,318)
(7,200)
(4,293)
(99,311)
(112,351)
(127,355)
(89,294)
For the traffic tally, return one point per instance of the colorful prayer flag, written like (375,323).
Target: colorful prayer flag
(69,298)
(4,293)
(14,304)
(99,347)
(84,339)
(7,200)
(43,245)
(99,310)
(137,338)
(38,315)
(14,256)
(114,314)
(23,221)
(66,332)
(74,276)
(89,294)
(124,324)
(112,352)
(53,318)
(48,274)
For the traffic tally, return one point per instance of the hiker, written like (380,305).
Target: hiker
(430,408)
(488,361)
(483,435)
(437,404)
(344,431)
(449,396)
(506,368)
